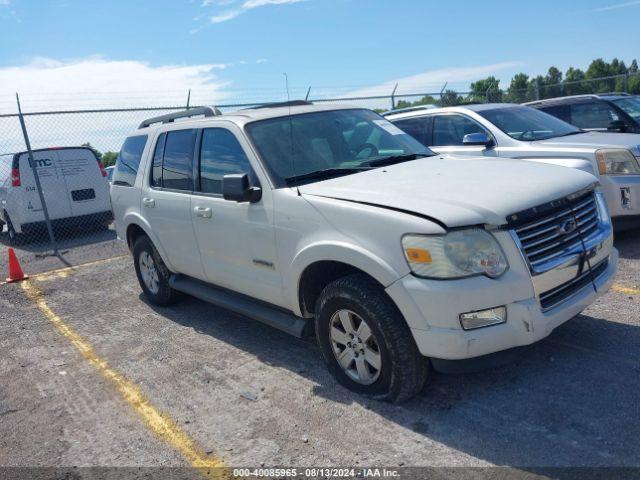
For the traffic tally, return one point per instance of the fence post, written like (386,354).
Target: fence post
(393,97)
(188,98)
(306,98)
(537,90)
(36,176)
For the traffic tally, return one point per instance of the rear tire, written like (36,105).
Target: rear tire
(152,273)
(374,354)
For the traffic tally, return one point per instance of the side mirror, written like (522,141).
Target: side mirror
(477,139)
(617,126)
(237,188)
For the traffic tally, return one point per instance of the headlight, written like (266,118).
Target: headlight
(457,254)
(616,162)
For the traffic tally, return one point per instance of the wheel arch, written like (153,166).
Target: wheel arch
(136,227)
(318,265)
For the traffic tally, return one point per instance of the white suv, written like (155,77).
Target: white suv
(331,218)
(516,131)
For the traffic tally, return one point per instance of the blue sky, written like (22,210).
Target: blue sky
(239,49)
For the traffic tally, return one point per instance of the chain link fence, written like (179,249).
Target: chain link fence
(55,208)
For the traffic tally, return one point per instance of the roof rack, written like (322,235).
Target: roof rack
(408,109)
(582,95)
(292,103)
(192,112)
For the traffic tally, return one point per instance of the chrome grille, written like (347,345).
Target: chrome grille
(542,238)
(565,291)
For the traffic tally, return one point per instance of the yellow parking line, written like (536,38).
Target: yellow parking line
(159,423)
(627,290)
(66,271)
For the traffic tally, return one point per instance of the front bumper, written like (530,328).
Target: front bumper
(433,319)
(622,193)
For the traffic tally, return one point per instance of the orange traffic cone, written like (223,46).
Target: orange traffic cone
(15,271)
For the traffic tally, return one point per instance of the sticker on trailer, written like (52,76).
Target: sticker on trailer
(73,166)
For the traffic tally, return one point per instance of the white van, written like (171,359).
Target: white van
(74,184)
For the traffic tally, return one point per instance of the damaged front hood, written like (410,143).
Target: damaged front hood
(456,190)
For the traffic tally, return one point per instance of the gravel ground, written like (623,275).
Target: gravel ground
(76,248)
(253,396)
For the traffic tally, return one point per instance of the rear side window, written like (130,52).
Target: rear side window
(416,127)
(220,154)
(177,163)
(563,112)
(593,115)
(156,171)
(129,161)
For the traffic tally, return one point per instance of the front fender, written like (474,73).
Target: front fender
(578,163)
(136,219)
(336,251)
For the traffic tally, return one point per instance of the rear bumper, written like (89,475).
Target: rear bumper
(98,218)
(526,322)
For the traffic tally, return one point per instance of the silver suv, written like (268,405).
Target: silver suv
(524,133)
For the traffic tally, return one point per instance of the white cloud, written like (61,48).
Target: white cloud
(46,84)
(434,80)
(223,17)
(242,8)
(5,2)
(457,78)
(617,6)
(261,60)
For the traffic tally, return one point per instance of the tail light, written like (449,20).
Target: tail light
(102,169)
(15,177)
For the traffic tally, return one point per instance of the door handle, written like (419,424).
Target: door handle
(148,202)
(204,212)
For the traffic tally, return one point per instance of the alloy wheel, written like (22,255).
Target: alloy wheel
(355,347)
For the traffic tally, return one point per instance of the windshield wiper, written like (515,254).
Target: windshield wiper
(380,162)
(577,132)
(325,173)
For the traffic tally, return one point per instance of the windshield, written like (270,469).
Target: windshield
(630,106)
(330,143)
(528,124)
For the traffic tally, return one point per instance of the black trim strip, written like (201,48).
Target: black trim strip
(386,207)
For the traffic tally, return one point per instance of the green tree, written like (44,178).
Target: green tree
(426,100)
(484,90)
(633,81)
(573,81)
(598,69)
(109,158)
(518,90)
(450,98)
(553,83)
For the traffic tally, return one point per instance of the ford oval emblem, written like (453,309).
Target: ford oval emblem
(567,227)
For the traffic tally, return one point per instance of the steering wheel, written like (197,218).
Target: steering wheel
(361,148)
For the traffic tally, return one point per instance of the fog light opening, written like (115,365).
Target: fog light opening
(483,318)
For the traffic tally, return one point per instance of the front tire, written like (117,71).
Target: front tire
(366,342)
(152,273)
